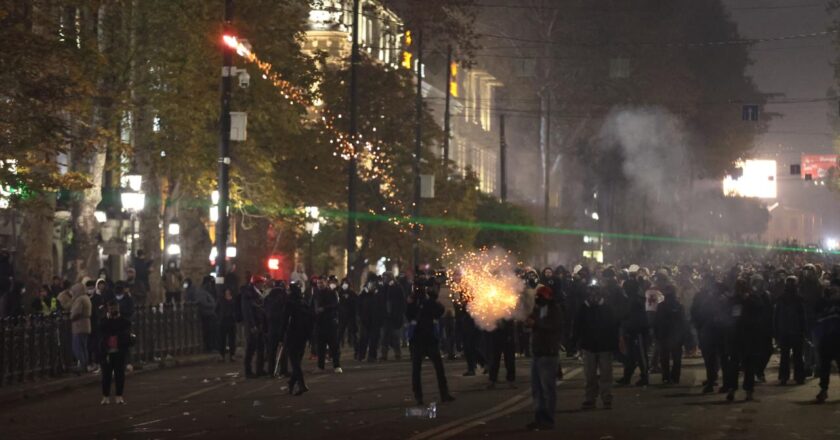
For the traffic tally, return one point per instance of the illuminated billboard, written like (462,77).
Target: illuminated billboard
(817,165)
(758,180)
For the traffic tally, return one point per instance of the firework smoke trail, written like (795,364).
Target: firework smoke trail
(486,282)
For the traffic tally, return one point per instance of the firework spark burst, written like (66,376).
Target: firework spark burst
(485,281)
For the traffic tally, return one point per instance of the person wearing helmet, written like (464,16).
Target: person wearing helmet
(789,327)
(254,322)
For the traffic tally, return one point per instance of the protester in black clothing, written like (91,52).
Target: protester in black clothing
(295,329)
(596,333)
(371,316)
(206,301)
(254,322)
(744,343)
(142,269)
(545,322)
(470,336)
(114,344)
(759,291)
(326,318)
(275,303)
(226,311)
(789,327)
(635,330)
(827,331)
(123,298)
(500,341)
(422,312)
(347,309)
(394,304)
(669,328)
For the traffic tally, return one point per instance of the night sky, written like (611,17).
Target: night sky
(797,68)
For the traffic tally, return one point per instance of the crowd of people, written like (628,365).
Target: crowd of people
(733,315)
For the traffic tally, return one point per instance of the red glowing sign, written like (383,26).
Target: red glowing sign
(817,165)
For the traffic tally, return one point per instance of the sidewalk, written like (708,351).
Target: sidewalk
(37,389)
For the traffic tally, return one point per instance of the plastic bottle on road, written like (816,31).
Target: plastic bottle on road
(429,412)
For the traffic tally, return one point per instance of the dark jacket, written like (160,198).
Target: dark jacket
(347,306)
(596,327)
(827,329)
(120,328)
(326,307)
(126,304)
(670,323)
(296,323)
(789,317)
(253,313)
(423,315)
(371,310)
(749,331)
(226,311)
(205,300)
(275,304)
(394,304)
(545,332)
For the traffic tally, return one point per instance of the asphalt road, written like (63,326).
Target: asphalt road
(368,402)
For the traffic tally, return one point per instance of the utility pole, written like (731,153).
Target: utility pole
(446,114)
(547,153)
(351,166)
(418,147)
(222,226)
(502,159)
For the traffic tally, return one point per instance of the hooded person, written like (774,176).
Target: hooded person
(275,304)
(113,351)
(670,327)
(254,322)
(394,303)
(789,329)
(205,300)
(596,333)
(97,301)
(827,332)
(173,281)
(762,295)
(80,313)
(545,324)
(745,341)
(347,314)
(295,329)
(371,317)
(326,318)
(423,313)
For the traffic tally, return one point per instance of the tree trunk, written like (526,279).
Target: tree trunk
(252,246)
(36,241)
(195,244)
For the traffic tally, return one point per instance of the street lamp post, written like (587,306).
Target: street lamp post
(224,151)
(133,201)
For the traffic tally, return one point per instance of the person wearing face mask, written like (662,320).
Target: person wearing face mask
(423,312)
(394,300)
(371,315)
(326,317)
(347,329)
(114,346)
(545,324)
(596,333)
(121,296)
(173,281)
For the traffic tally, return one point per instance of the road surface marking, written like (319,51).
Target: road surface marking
(457,424)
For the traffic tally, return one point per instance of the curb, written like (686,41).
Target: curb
(36,390)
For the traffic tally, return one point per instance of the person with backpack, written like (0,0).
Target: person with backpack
(296,325)
(114,344)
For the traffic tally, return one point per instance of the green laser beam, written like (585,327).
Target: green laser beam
(531,229)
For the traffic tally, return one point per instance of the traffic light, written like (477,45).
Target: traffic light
(453,79)
(407,57)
